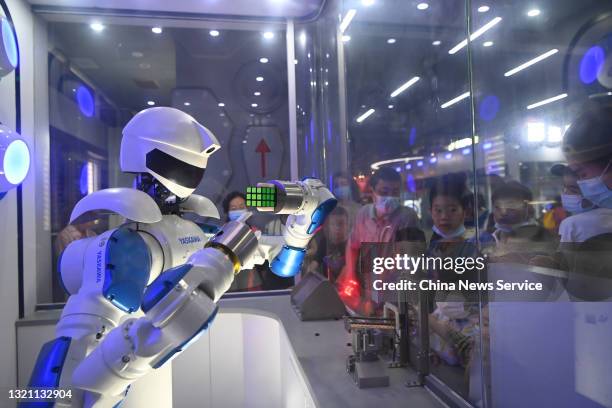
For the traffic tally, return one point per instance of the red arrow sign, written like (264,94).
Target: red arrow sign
(263,148)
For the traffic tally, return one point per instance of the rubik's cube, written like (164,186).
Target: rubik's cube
(261,197)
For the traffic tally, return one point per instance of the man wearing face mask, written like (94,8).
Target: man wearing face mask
(587,146)
(378,222)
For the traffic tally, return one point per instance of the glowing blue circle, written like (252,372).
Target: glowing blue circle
(10,44)
(85,101)
(489,107)
(16,161)
(591,64)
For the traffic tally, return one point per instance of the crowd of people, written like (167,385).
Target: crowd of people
(572,235)
(509,228)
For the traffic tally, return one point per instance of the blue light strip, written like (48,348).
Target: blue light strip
(10,43)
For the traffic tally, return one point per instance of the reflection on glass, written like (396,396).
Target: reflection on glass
(437,138)
(233,80)
(471,125)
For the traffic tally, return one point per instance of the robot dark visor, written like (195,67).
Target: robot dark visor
(175,170)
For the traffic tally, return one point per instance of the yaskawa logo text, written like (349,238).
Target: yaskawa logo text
(98,266)
(189,240)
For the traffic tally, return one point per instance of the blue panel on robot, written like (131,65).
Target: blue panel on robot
(320,214)
(128,265)
(209,229)
(288,262)
(162,285)
(48,369)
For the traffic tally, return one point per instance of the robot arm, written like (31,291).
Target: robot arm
(179,306)
(308,202)
(180,303)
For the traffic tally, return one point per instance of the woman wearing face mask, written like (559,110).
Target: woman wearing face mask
(234,206)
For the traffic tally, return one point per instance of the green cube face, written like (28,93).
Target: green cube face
(261,197)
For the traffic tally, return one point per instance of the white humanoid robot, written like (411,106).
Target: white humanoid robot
(159,265)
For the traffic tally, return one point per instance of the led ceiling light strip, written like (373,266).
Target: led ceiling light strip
(455,100)
(531,62)
(546,101)
(365,115)
(475,34)
(405,86)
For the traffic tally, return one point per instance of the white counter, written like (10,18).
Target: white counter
(256,354)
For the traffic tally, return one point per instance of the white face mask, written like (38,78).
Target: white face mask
(454,234)
(387,204)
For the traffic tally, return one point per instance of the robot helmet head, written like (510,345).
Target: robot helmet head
(170,145)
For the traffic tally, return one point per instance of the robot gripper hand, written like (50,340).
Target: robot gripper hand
(307,202)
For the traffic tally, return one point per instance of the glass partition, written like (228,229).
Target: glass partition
(232,78)
(456,116)
(447,130)
(534,72)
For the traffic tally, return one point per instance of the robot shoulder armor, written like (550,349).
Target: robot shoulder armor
(201,206)
(132,204)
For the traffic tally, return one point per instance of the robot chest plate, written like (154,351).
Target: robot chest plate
(178,239)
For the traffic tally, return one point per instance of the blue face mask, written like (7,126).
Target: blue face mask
(233,215)
(385,205)
(573,203)
(596,191)
(342,192)
(455,234)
